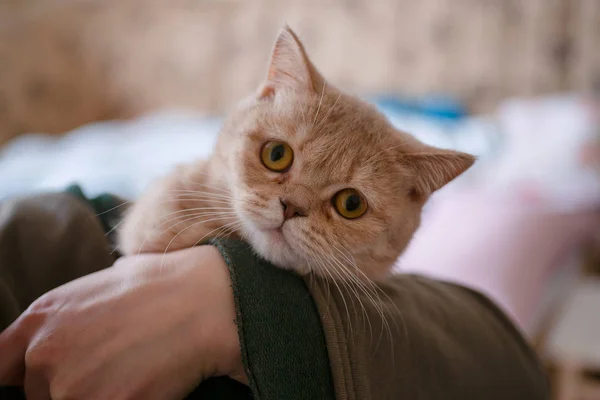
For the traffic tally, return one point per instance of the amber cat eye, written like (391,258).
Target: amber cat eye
(349,203)
(277,156)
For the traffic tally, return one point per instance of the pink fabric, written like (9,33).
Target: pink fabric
(506,229)
(501,246)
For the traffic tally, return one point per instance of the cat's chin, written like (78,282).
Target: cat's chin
(272,245)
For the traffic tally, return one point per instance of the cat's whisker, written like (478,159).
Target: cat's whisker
(350,259)
(324,120)
(111,230)
(191,216)
(210,199)
(206,185)
(351,286)
(255,204)
(350,282)
(317,253)
(303,115)
(114,250)
(185,229)
(222,203)
(208,189)
(219,216)
(221,196)
(226,209)
(370,294)
(224,214)
(320,102)
(199,196)
(219,230)
(233,230)
(222,192)
(382,156)
(370,290)
(321,261)
(321,252)
(318,270)
(321,257)
(376,290)
(335,281)
(113,208)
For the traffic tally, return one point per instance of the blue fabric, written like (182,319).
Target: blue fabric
(436,107)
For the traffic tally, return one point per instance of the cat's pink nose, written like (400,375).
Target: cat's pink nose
(291,210)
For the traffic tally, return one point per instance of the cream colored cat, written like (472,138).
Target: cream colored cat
(314,179)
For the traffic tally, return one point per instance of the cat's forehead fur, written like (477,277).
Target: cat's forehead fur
(336,138)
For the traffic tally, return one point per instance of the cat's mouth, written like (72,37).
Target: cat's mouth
(277,237)
(275,243)
(271,232)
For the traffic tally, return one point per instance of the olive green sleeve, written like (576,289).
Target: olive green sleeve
(45,241)
(417,338)
(283,345)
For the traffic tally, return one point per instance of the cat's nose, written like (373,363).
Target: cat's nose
(291,210)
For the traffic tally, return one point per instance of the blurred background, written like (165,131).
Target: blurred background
(112,93)
(85,59)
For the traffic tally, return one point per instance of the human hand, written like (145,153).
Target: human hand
(142,329)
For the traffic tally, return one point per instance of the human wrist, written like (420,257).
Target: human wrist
(219,335)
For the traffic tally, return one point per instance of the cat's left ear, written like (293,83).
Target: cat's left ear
(290,68)
(434,168)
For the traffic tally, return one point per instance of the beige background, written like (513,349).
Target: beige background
(67,62)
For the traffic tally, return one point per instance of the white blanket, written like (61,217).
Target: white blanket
(123,157)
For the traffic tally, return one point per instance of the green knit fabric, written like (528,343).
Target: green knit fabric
(283,345)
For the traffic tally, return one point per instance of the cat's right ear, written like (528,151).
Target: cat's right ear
(290,68)
(434,169)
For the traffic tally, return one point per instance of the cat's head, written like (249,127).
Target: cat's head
(322,181)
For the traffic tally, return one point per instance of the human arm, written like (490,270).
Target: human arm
(145,328)
(90,308)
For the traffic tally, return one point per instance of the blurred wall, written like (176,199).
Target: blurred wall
(67,62)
